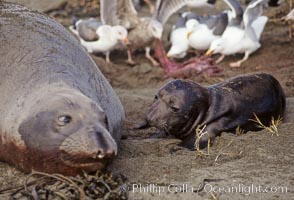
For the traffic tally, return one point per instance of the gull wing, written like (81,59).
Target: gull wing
(87,29)
(253,11)
(236,12)
(165,8)
(118,12)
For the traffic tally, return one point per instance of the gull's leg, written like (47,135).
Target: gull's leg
(151,7)
(238,63)
(130,59)
(290,24)
(290,31)
(107,57)
(149,57)
(220,59)
(83,3)
(189,9)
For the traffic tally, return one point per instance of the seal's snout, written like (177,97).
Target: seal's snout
(154,114)
(93,146)
(101,154)
(103,145)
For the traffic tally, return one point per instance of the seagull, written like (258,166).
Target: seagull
(201,28)
(202,31)
(241,35)
(178,36)
(98,37)
(197,31)
(142,31)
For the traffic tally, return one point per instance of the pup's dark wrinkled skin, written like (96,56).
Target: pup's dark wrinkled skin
(180,106)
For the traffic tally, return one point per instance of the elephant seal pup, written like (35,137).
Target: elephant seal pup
(181,106)
(58,113)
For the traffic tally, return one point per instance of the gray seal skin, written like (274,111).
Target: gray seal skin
(58,113)
(180,106)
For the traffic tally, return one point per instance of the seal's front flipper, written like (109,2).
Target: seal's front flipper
(189,142)
(142,125)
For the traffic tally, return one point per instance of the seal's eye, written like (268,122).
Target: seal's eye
(64,120)
(155,97)
(174,109)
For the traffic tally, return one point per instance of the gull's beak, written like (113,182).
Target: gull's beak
(125,41)
(189,34)
(209,52)
(168,55)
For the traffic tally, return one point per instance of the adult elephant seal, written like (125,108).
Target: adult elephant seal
(58,112)
(182,106)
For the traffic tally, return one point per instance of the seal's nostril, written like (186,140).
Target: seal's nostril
(104,154)
(99,154)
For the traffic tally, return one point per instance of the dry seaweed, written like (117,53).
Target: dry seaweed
(38,186)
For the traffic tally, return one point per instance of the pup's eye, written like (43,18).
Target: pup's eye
(174,109)
(155,97)
(64,120)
